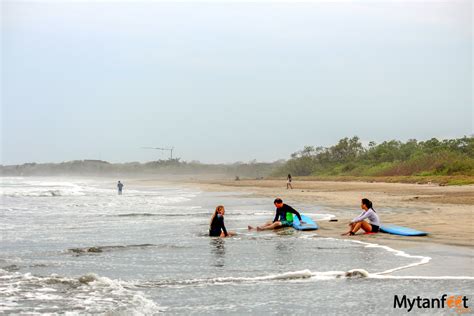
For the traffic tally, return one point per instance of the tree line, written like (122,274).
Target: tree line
(389,158)
(349,157)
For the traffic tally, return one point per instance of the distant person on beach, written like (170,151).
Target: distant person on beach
(373,226)
(217,227)
(288,182)
(283,217)
(120,187)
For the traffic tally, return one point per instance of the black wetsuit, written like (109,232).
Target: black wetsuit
(120,186)
(282,211)
(216,226)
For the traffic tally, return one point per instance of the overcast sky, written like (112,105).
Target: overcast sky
(226,82)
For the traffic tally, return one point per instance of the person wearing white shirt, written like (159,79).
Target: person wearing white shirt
(372,226)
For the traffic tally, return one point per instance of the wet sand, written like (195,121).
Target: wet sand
(445,212)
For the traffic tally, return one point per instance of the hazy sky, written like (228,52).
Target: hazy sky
(225,82)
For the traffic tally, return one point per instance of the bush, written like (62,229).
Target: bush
(391,158)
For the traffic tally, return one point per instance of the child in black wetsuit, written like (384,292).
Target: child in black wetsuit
(217,227)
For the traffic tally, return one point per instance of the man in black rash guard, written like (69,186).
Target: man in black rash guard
(283,217)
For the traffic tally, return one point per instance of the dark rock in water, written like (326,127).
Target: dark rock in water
(88,278)
(76,250)
(86,250)
(94,249)
(357,273)
(12,267)
(99,249)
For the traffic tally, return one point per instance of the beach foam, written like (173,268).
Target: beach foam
(89,293)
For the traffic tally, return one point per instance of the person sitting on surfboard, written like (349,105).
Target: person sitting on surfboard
(217,227)
(283,216)
(373,226)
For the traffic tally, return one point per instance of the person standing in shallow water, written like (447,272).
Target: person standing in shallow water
(120,187)
(288,182)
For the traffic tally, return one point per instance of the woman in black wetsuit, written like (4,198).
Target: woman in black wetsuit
(217,227)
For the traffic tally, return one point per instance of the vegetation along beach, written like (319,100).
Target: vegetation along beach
(258,157)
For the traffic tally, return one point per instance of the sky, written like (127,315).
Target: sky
(229,81)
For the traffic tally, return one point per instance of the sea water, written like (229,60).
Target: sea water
(75,246)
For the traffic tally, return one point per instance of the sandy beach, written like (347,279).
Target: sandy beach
(445,212)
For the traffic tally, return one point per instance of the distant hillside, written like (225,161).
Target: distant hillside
(164,167)
(449,159)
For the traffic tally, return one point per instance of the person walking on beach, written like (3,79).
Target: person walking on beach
(119,187)
(373,226)
(288,182)
(217,227)
(283,217)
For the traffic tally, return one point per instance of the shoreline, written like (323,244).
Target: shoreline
(424,207)
(430,207)
(445,212)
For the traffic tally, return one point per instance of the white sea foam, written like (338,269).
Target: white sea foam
(14,187)
(285,276)
(420,277)
(320,216)
(400,253)
(384,274)
(290,276)
(39,188)
(87,294)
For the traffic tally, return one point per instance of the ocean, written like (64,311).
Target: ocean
(74,246)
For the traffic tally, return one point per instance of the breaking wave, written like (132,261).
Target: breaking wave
(87,294)
(100,249)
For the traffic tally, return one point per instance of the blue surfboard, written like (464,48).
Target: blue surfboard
(308,225)
(400,230)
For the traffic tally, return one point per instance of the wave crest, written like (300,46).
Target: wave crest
(99,249)
(52,294)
